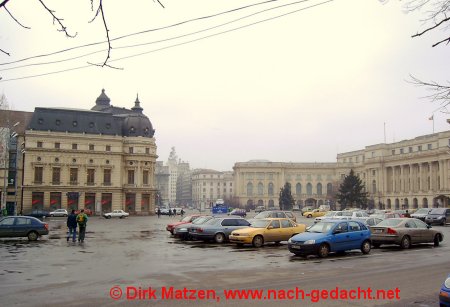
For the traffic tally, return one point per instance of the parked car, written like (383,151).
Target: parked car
(59,212)
(307,208)
(438,216)
(388,215)
(421,214)
(182,231)
(217,229)
(116,213)
(276,214)
(88,212)
(314,213)
(331,236)
(185,220)
(404,232)
(22,226)
(239,212)
(444,294)
(267,230)
(38,213)
(371,221)
(352,215)
(328,215)
(260,209)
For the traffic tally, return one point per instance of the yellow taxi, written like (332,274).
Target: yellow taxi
(314,213)
(266,230)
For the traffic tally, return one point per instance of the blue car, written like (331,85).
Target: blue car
(22,226)
(444,294)
(331,236)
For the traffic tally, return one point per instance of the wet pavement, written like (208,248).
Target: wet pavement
(139,252)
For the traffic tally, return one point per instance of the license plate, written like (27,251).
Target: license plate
(296,246)
(378,230)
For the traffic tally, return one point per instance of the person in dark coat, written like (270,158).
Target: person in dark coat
(72,226)
(170,212)
(174,212)
(159,212)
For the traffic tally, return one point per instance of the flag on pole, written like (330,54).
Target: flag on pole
(431,118)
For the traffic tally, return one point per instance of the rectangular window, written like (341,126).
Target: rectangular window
(38,171)
(145,177)
(107,176)
(91,146)
(57,145)
(108,147)
(90,176)
(147,150)
(393,152)
(73,176)
(56,175)
(401,150)
(39,144)
(74,146)
(130,150)
(419,148)
(130,176)
(429,146)
(410,149)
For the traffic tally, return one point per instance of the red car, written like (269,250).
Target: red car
(185,220)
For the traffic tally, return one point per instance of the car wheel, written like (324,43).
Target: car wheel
(51,215)
(219,237)
(33,235)
(324,250)
(121,217)
(443,222)
(258,241)
(405,243)
(437,239)
(365,247)
(376,245)
(309,216)
(65,215)
(109,216)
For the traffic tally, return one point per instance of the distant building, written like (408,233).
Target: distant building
(100,159)
(210,185)
(162,177)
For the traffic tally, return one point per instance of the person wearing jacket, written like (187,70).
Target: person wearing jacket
(82,221)
(72,226)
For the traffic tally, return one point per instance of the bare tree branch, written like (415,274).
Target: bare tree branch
(107,65)
(440,93)
(16,19)
(100,10)
(3,3)
(59,20)
(1,50)
(432,28)
(160,3)
(442,41)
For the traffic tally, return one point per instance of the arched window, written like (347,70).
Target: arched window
(298,189)
(249,189)
(260,188)
(309,189)
(270,189)
(319,189)
(374,186)
(329,189)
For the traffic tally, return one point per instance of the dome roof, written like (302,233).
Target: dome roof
(103,99)
(137,125)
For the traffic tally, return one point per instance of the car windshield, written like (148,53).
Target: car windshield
(322,227)
(438,211)
(422,211)
(390,222)
(260,223)
(186,219)
(213,221)
(262,215)
(347,213)
(331,213)
(201,220)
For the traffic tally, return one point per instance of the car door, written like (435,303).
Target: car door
(426,234)
(356,235)
(413,232)
(287,230)
(22,226)
(7,227)
(228,225)
(273,232)
(340,237)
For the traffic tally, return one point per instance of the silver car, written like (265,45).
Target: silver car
(217,229)
(59,212)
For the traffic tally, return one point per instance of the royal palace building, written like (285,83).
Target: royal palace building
(408,174)
(100,159)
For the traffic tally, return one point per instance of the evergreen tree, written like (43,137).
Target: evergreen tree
(286,200)
(351,192)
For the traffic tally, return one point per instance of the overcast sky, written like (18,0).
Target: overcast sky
(315,82)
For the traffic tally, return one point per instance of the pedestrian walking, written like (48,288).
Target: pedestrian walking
(72,226)
(159,212)
(182,212)
(82,221)
(174,212)
(170,212)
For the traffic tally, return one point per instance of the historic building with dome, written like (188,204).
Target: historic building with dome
(100,159)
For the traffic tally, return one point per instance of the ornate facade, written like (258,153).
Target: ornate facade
(100,159)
